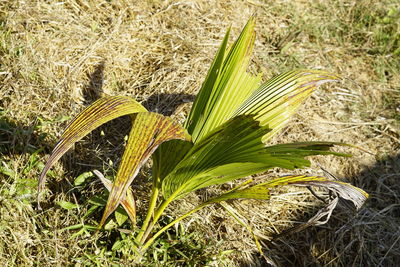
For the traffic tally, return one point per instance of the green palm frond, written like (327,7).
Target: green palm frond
(226,87)
(235,150)
(224,138)
(229,91)
(274,102)
(262,190)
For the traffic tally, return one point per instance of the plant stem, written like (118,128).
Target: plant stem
(157,215)
(150,212)
(154,237)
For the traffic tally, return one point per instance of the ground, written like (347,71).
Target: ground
(59,56)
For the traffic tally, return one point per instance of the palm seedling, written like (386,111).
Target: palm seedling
(225,137)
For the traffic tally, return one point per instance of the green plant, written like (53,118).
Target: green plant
(224,138)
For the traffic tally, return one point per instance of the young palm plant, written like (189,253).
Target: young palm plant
(225,137)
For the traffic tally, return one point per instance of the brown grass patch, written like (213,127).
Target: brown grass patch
(56,57)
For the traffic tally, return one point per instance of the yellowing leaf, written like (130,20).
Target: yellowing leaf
(274,102)
(128,202)
(148,131)
(344,190)
(98,113)
(253,192)
(120,216)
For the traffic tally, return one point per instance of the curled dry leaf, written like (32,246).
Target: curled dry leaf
(128,202)
(344,190)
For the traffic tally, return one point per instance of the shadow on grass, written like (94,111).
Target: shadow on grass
(166,104)
(369,237)
(23,145)
(94,88)
(101,149)
(22,148)
(16,139)
(163,103)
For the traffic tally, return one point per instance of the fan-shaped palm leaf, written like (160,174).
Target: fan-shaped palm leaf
(224,138)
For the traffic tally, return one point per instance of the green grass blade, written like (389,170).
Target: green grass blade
(98,113)
(148,131)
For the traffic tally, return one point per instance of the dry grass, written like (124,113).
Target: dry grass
(56,57)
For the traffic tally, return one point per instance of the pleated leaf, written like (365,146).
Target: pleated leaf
(210,152)
(167,156)
(229,91)
(226,87)
(235,150)
(274,102)
(261,192)
(98,113)
(204,94)
(148,131)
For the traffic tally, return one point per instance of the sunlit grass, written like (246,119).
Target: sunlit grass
(49,53)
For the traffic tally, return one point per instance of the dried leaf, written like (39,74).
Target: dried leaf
(344,190)
(128,202)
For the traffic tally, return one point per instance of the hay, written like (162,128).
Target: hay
(57,57)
